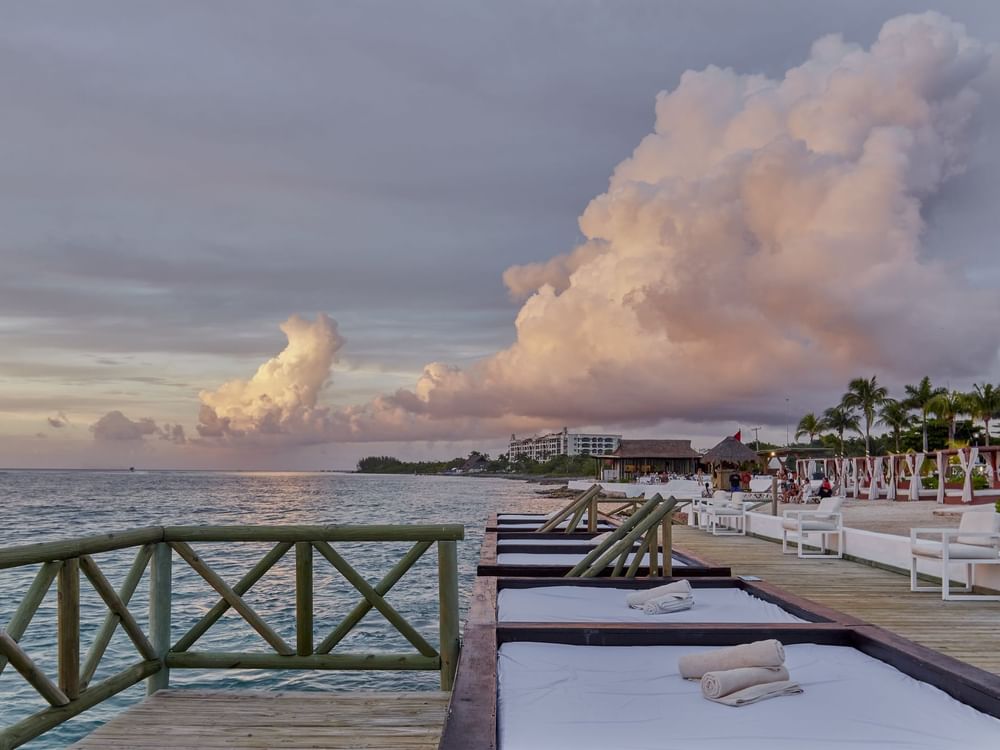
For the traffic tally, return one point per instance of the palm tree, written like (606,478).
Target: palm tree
(867,395)
(896,416)
(984,403)
(919,397)
(839,420)
(948,406)
(809,425)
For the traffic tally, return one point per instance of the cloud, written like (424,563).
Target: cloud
(116,427)
(59,421)
(767,233)
(281,400)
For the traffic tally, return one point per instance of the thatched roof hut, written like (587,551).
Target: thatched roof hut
(730,452)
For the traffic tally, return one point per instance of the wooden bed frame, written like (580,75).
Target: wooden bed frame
(471,723)
(488,565)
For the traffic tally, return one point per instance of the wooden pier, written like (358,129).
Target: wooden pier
(966,631)
(194,719)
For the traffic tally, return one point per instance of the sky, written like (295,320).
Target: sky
(285,236)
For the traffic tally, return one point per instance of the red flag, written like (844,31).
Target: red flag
(739,435)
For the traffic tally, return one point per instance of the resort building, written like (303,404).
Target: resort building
(633,458)
(562,443)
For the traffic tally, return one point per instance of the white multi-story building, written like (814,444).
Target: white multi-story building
(562,443)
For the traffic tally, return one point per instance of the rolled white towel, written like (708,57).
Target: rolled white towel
(757,693)
(667,604)
(637,598)
(768,653)
(717,684)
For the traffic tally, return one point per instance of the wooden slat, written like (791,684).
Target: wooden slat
(111,621)
(21,618)
(964,630)
(30,671)
(193,719)
(235,600)
(117,607)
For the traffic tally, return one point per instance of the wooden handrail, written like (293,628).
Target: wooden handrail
(64,561)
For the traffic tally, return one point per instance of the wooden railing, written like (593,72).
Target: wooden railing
(73,692)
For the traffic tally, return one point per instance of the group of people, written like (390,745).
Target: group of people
(800,490)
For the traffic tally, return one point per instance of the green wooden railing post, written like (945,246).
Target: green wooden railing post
(160,583)
(448,595)
(303,598)
(68,627)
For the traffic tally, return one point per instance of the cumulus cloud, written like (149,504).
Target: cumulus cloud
(767,233)
(281,399)
(115,426)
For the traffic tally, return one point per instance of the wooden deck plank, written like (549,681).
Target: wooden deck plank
(964,630)
(191,719)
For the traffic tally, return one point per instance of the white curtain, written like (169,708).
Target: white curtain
(838,464)
(913,462)
(890,492)
(942,463)
(874,476)
(967,464)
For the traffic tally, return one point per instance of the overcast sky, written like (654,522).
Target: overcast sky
(177,180)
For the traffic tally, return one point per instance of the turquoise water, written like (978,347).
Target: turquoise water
(45,506)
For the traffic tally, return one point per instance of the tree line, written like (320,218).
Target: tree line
(925,417)
(560,465)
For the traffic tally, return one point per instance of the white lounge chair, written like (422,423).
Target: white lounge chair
(729,508)
(701,505)
(826,520)
(976,541)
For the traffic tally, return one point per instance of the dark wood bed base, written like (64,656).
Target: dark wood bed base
(488,565)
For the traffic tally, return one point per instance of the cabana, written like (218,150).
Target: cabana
(634,458)
(730,453)
(898,476)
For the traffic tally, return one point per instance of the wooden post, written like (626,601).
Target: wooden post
(668,546)
(448,596)
(303,598)
(592,515)
(160,583)
(68,619)
(774,495)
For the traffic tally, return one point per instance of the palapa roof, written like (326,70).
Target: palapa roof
(730,451)
(654,449)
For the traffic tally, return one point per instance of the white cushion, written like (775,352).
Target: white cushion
(830,504)
(978,521)
(956,550)
(809,525)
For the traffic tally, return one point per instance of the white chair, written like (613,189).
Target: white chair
(701,505)
(826,520)
(729,508)
(976,541)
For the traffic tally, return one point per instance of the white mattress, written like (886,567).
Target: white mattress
(601,604)
(531,558)
(542,542)
(558,697)
(527,526)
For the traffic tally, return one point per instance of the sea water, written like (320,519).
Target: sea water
(37,506)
